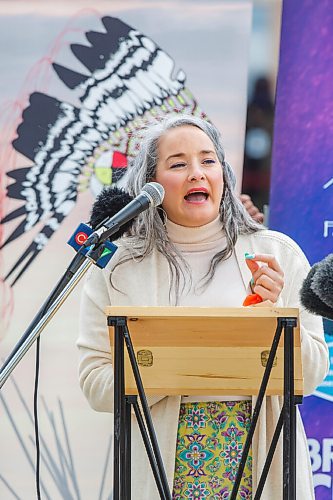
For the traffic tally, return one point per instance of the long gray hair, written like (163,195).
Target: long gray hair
(148,230)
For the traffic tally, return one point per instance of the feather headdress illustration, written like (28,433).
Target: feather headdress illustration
(128,82)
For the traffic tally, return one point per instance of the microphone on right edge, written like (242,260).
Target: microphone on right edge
(317,290)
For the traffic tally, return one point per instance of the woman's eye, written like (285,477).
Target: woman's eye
(209,161)
(178,165)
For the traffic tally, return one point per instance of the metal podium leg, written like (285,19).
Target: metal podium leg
(128,439)
(256,411)
(122,420)
(117,418)
(147,415)
(289,426)
(149,451)
(270,455)
(119,439)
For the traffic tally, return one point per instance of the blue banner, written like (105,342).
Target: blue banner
(301,201)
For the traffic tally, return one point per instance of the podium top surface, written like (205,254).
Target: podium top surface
(200,326)
(202,312)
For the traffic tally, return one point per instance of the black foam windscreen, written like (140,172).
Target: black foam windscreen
(107,204)
(310,300)
(322,282)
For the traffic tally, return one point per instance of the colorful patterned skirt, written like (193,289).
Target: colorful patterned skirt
(210,441)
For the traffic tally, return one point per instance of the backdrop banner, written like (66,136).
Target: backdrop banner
(75,86)
(301,202)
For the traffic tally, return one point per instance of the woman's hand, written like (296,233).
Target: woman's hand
(267,276)
(251,209)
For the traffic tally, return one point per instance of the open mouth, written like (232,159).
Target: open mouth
(196,196)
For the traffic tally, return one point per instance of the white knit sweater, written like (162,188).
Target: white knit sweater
(146,283)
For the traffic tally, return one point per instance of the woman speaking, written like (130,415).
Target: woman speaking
(200,249)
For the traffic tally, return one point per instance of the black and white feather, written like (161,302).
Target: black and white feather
(128,82)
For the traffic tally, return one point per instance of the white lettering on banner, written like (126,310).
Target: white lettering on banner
(328,184)
(321,454)
(314,449)
(328,224)
(322,480)
(327,454)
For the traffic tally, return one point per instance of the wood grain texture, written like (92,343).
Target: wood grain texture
(206,350)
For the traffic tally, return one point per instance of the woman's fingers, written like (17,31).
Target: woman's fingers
(267,275)
(265,258)
(268,288)
(251,264)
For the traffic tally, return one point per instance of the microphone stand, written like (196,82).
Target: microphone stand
(78,267)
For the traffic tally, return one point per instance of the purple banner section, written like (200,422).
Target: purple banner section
(320,440)
(301,200)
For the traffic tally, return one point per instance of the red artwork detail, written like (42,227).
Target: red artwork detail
(119,160)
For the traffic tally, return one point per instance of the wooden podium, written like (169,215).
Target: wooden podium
(189,351)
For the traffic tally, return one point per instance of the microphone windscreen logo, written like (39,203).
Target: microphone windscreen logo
(81,237)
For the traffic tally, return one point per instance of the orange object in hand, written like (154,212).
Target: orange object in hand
(252,299)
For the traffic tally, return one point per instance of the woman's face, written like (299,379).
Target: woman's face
(191,174)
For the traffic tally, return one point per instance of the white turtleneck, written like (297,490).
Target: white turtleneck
(198,246)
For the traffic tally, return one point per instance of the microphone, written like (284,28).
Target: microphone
(151,195)
(107,204)
(317,290)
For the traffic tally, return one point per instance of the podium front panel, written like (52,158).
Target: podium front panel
(206,351)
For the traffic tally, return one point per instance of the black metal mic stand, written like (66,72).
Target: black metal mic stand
(9,363)
(76,270)
(78,267)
